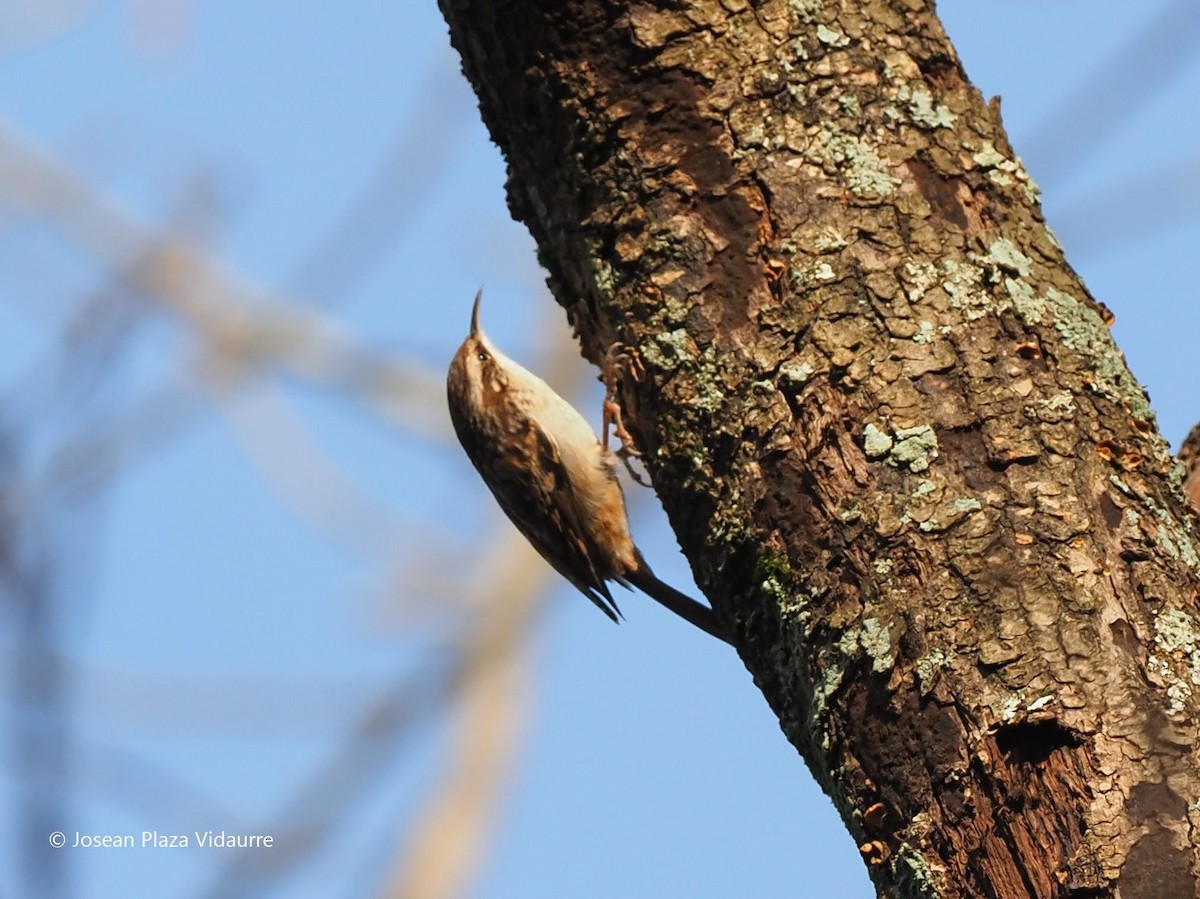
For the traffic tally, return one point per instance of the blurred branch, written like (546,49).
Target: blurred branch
(217,704)
(238,329)
(450,834)
(1137,207)
(36,543)
(243,327)
(242,331)
(484,672)
(290,460)
(1085,119)
(487,676)
(151,792)
(391,198)
(32,21)
(365,751)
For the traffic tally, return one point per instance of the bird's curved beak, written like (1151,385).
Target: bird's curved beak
(475,313)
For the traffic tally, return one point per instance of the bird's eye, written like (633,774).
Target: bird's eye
(482,356)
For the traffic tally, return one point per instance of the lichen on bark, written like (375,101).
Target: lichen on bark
(887,420)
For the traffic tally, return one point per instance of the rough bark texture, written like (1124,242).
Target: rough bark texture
(887,420)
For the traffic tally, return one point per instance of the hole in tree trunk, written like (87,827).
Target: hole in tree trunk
(1032,742)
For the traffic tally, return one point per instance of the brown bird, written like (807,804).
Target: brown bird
(551,476)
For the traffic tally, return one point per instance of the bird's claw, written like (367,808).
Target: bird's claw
(619,360)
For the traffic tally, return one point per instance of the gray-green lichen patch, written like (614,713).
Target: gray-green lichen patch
(1078,323)
(915,448)
(728,529)
(795,374)
(963,283)
(1176,656)
(876,443)
(805,275)
(989,157)
(833,38)
(606,277)
(674,311)
(829,240)
(865,174)
(1006,708)
(666,350)
(1081,327)
(1056,407)
(852,513)
(923,109)
(780,587)
(1040,703)
(1177,474)
(877,643)
(1005,254)
(923,489)
(1083,331)
(1177,544)
(791,605)
(824,689)
(1176,631)
(675,351)
(927,669)
(806,10)
(914,877)
(920,276)
(1004,171)
(1020,292)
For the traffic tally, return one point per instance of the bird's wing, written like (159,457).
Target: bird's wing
(534,488)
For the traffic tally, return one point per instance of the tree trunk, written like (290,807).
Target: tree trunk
(886,419)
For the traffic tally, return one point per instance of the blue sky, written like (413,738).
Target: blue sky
(224,622)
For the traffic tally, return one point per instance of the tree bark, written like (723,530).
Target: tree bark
(894,437)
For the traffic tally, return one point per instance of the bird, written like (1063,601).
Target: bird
(553,478)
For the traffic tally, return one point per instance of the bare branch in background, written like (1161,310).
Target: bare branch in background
(241,326)
(238,336)
(391,198)
(450,834)
(446,849)
(33,21)
(481,676)
(1112,93)
(1138,207)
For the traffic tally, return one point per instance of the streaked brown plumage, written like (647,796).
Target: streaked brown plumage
(552,477)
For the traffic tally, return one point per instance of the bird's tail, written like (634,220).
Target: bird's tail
(680,603)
